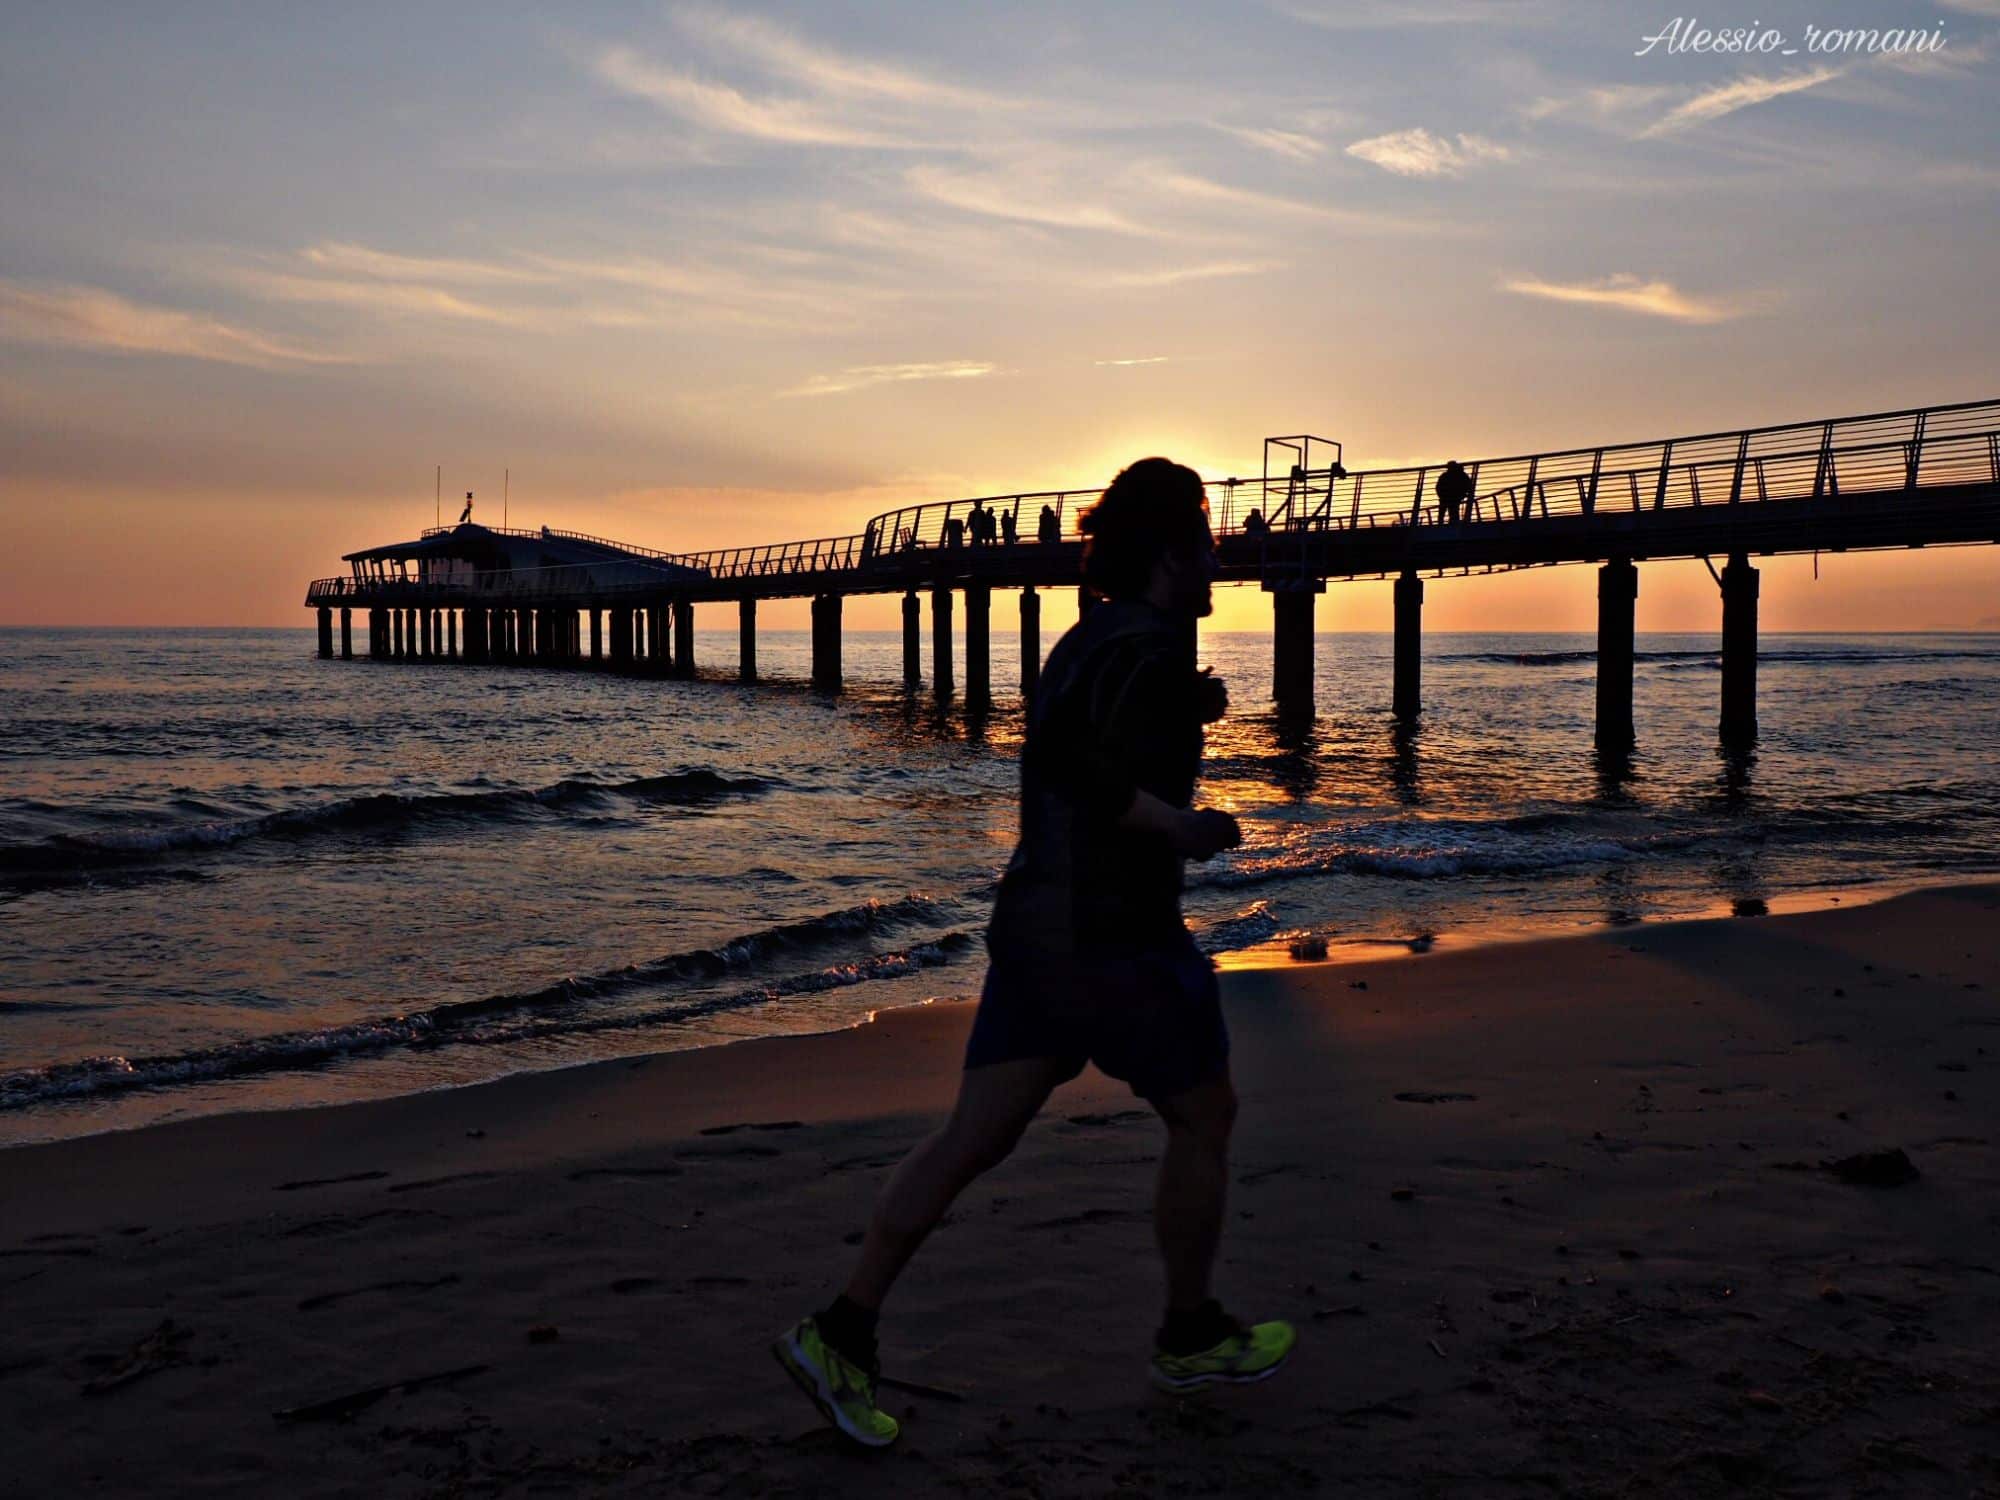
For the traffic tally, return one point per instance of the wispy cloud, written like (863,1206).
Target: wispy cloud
(860,377)
(771,288)
(1383,15)
(1290,144)
(823,69)
(1178,188)
(1977,175)
(1031,195)
(1740,93)
(84,317)
(1151,359)
(718,106)
(340,258)
(1628,293)
(1175,275)
(398,297)
(1418,153)
(1605,104)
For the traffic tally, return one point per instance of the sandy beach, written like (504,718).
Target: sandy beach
(1554,1218)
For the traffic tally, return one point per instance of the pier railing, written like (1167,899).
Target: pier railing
(1880,455)
(1911,449)
(610,579)
(539,533)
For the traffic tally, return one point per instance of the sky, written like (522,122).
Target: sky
(692,275)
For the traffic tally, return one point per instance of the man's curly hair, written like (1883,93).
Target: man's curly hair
(1153,509)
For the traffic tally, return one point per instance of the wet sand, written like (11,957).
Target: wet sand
(1554,1218)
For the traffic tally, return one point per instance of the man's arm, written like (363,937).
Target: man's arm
(1155,700)
(1199,833)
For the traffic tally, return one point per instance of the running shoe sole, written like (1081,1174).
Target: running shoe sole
(788,1354)
(1194,1382)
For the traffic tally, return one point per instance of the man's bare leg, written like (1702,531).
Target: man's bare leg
(1193,1187)
(995,1104)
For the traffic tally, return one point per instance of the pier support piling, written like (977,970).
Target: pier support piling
(451,635)
(941,676)
(1031,641)
(1292,609)
(826,641)
(746,640)
(978,646)
(1617,598)
(346,634)
(596,634)
(1739,653)
(325,633)
(1408,697)
(913,666)
(395,635)
(683,638)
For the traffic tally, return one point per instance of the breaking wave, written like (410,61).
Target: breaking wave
(557,1010)
(64,858)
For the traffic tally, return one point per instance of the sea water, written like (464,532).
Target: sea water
(233,876)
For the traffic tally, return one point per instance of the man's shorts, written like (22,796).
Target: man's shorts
(1151,1018)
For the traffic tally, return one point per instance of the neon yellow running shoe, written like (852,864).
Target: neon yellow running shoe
(842,1390)
(1246,1355)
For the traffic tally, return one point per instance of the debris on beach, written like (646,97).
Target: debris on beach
(161,1349)
(1885,1168)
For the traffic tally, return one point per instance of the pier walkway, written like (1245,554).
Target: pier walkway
(1914,478)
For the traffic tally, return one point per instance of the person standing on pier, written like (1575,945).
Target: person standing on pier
(1048,530)
(1090,960)
(1454,488)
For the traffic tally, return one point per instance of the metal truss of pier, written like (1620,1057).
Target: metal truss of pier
(1915,478)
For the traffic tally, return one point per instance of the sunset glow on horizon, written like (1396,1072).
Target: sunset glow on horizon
(696,276)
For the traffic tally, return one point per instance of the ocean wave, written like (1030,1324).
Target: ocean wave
(867,918)
(1681,660)
(1444,849)
(67,855)
(502,1020)
(1253,925)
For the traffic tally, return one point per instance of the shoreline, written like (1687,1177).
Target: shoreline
(1268,955)
(1553,1212)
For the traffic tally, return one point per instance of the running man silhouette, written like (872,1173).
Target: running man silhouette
(1089,958)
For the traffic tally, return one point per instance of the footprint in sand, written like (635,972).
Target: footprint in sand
(327,1299)
(1088,1216)
(434,1182)
(320,1182)
(594,1174)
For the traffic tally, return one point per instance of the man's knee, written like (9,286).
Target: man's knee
(982,1145)
(1206,1113)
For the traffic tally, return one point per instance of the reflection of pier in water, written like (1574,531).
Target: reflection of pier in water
(1895,479)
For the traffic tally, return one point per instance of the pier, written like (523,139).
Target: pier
(1915,478)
